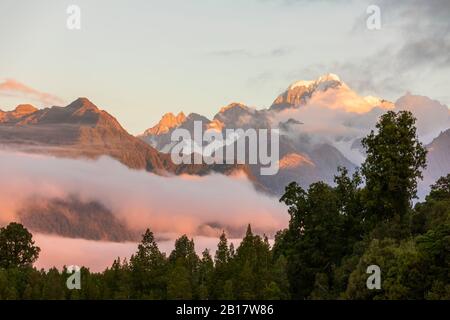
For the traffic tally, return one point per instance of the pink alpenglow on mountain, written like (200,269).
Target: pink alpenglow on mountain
(167,122)
(294,160)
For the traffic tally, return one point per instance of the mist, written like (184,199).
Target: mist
(167,205)
(98,255)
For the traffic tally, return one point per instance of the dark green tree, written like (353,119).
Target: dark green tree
(441,189)
(206,273)
(222,255)
(317,237)
(148,269)
(351,208)
(17,247)
(179,284)
(280,278)
(54,287)
(222,270)
(117,282)
(253,265)
(395,159)
(184,259)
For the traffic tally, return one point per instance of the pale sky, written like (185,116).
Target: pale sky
(140,59)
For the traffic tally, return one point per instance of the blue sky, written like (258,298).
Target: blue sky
(139,59)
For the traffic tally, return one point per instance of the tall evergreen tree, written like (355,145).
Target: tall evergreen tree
(222,270)
(179,284)
(206,272)
(185,260)
(222,255)
(148,269)
(395,159)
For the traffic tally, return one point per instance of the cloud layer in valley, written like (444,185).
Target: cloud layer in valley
(170,206)
(98,255)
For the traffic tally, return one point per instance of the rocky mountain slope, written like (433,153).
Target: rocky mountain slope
(74,218)
(321,120)
(78,130)
(438,160)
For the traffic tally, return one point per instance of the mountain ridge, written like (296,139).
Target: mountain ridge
(82,130)
(290,113)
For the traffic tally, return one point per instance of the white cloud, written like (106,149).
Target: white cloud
(170,205)
(12,90)
(98,255)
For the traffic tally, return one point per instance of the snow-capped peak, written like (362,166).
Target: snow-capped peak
(326,78)
(301,83)
(300,92)
(329,77)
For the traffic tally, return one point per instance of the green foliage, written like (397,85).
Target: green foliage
(336,232)
(441,189)
(147,270)
(17,247)
(179,284)
(206,272)
(325,225)
(395,158)
(223,253)
(401,267)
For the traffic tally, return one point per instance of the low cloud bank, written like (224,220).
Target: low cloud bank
(99,255)
(167,205)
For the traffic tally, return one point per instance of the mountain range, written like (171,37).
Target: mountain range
(82,130)
(321,124)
